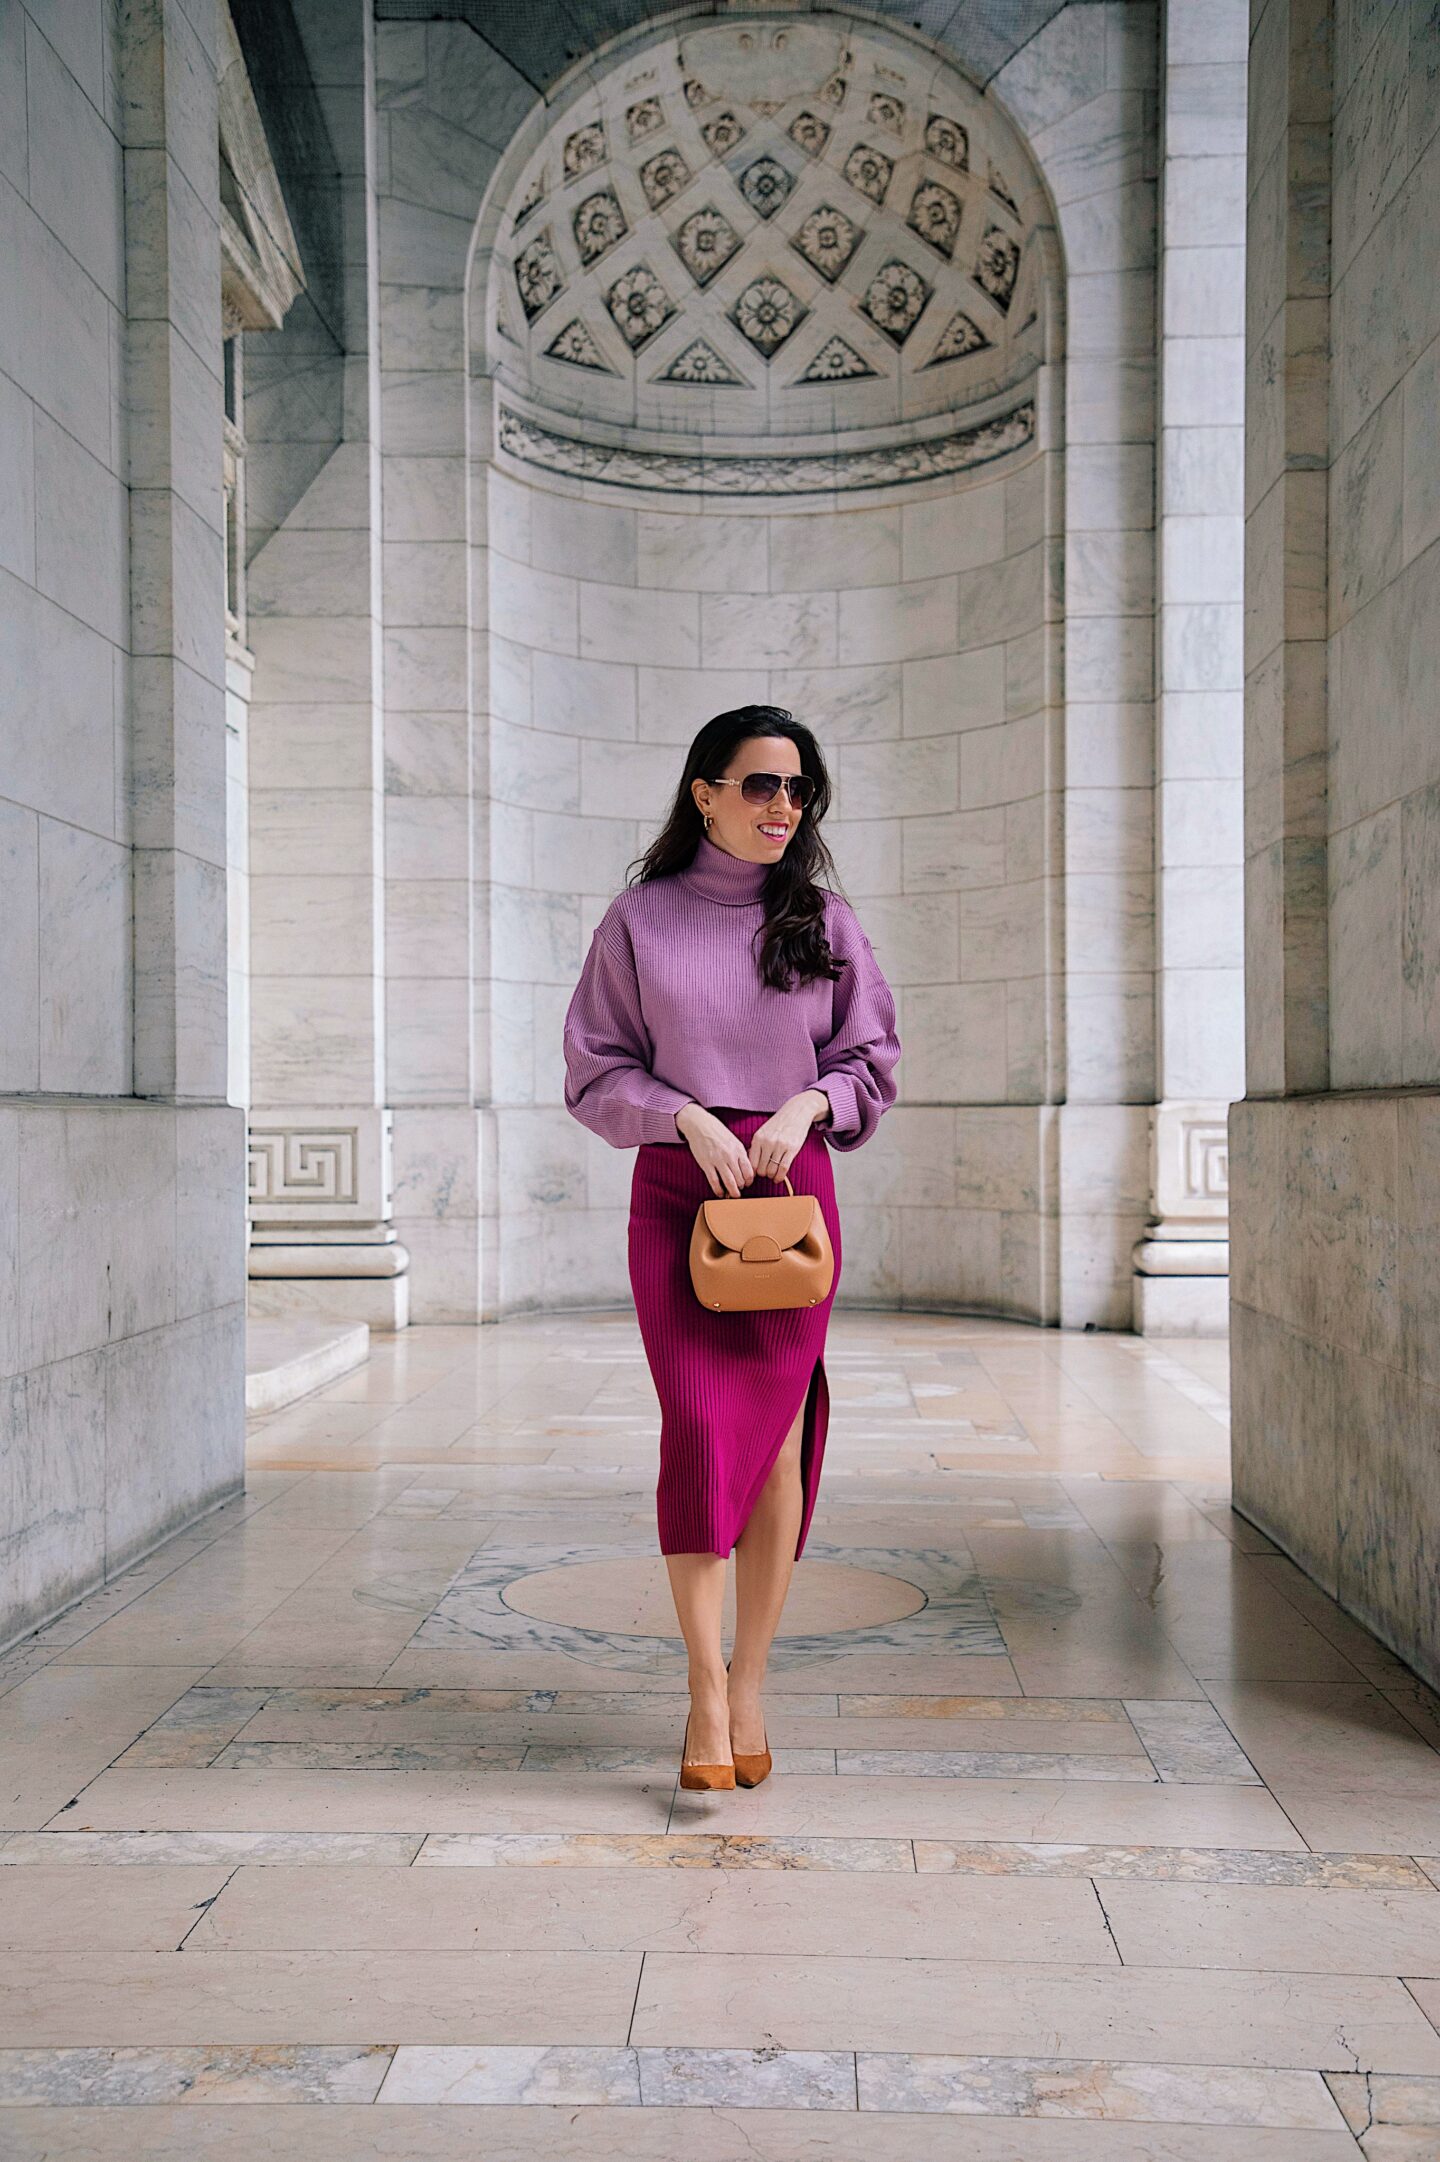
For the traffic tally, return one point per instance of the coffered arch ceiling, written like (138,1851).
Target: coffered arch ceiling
(543,43)
(790,238)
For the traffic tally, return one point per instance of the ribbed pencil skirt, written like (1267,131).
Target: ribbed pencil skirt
(729,1384)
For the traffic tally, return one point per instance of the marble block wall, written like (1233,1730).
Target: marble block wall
(121,1244)
(122,1324)
(904,633)
(1336,1330)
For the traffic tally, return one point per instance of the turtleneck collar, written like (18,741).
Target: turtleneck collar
(719,876)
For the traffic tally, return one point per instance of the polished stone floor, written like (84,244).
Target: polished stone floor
(346,1825)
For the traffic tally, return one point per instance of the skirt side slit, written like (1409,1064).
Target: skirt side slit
(717,1375)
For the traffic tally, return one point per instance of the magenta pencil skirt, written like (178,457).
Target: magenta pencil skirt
(729,1384)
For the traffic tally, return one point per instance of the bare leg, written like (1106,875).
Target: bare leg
(697,1582)
(764,1562)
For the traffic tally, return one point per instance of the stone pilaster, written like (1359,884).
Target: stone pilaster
(1182,1262)
(323,1242)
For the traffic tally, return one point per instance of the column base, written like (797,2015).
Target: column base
(382,1302)
(1182,1286)
(337,1280)
(1182,1305)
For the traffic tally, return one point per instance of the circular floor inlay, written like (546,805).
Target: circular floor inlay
(630,1596)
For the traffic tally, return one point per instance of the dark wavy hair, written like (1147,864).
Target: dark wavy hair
(794,948)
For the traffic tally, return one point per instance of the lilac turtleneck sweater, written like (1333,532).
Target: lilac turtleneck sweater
(670,1010)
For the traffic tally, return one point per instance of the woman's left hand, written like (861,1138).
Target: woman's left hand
(775,1145)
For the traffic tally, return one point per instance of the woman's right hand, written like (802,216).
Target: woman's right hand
(724,1160)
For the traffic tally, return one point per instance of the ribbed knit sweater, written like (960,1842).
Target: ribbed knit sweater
(670,1009)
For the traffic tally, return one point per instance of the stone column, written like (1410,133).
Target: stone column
(323,1240)
(121,1253)
(1083,88)
(177,667)
(1182,1262)
(449,105)
(1286,550)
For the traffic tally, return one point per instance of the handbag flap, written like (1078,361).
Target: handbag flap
(783,1217)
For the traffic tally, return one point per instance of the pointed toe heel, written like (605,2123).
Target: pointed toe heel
(704,1778)
(750,1770)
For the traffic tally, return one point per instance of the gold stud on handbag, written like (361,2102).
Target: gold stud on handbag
(755,1252)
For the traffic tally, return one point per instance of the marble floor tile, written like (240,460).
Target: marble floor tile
(1044,1712)
(440,2133)
(747,2079)
(275,1674)
(1364,1652)
(330,1756)
(1150,2015)
(1130,1812)
(193,2076)
(882,1913)
(1179,1864)
(457,1801)
(23,1660)
(1188,1741)
(195,1729)
(154,1909)
(1270,1927)
(1417,1703)
(1227,1622)
(130,1998)
(988,1764)
(1081,2087)
(662,1850)
(649,2078)
(1346,1765)
(315,1849)
(1387,2099)
(1115,1739)
(63,1725)
(573,2076)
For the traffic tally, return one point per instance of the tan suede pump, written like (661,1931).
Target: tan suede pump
(704,1778)
(750,1766)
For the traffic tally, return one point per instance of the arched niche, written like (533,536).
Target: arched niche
(765,324)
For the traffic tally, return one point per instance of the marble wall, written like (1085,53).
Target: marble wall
(120,1226)
(1336,1334)
(904,633)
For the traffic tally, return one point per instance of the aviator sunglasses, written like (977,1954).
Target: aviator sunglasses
(762,787)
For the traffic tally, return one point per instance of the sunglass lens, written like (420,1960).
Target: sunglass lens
(761,787)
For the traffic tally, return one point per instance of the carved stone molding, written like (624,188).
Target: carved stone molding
(1182,1264)
(313,1170)
(260,270)
(736,474)
(1190,1160)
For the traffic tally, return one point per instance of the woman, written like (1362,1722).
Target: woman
(730,1020)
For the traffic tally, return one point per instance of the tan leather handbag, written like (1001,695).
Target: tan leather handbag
(759,1251)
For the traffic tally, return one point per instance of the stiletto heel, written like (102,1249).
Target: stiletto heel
(704,1778)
